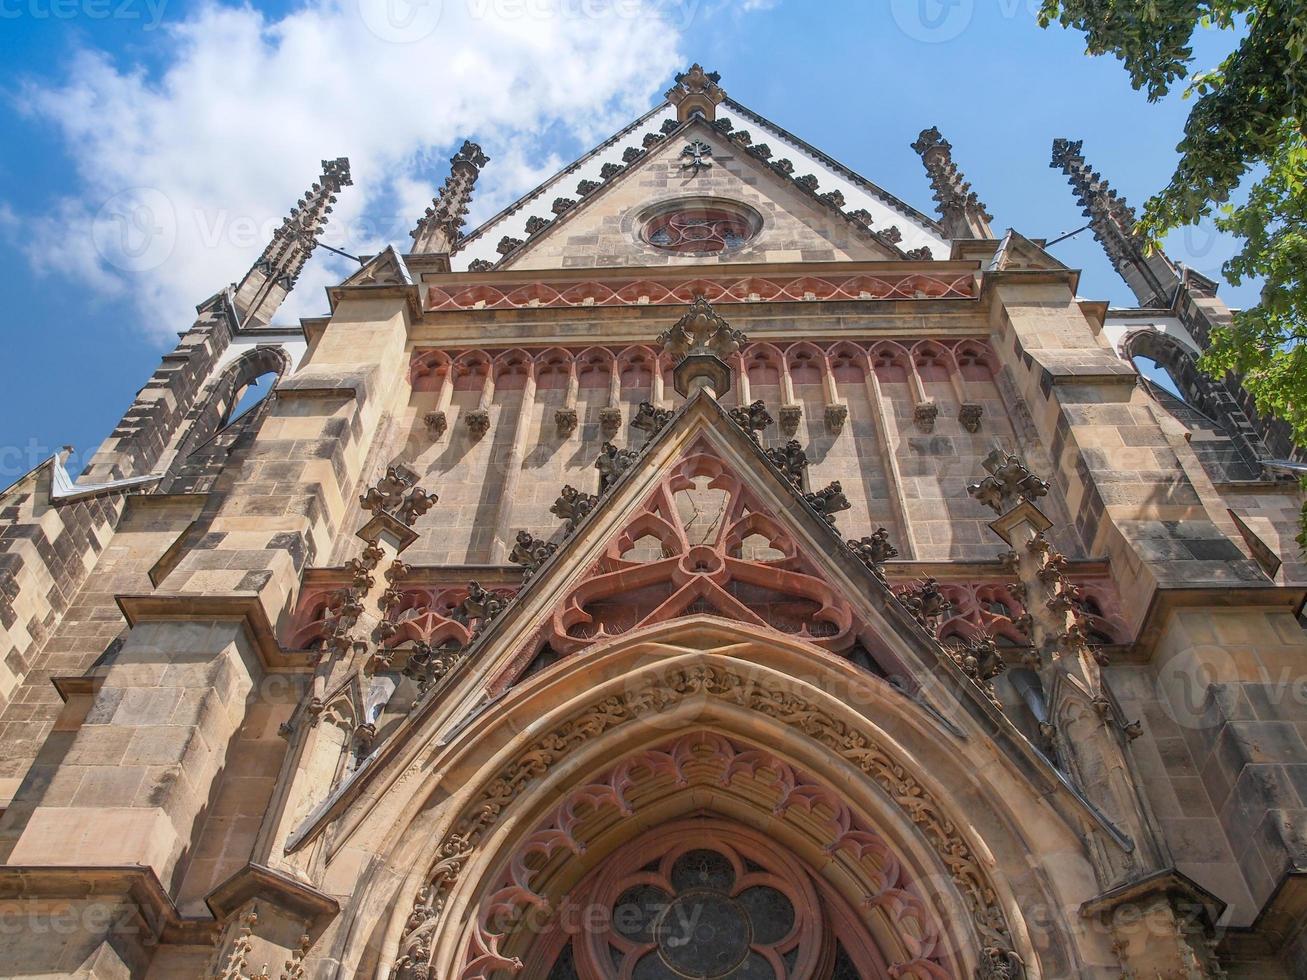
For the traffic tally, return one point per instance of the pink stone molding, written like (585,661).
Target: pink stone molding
(717,289)
(706,759)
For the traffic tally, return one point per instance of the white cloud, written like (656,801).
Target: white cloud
(185,173)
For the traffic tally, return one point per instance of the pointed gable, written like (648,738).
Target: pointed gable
(703,523)
(699,175)
(517,224)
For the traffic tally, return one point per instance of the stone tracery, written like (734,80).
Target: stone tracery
(977,895)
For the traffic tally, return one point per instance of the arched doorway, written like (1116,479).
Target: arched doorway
(704,899)
(709,858)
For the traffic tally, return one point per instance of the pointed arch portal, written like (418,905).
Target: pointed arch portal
(589,854)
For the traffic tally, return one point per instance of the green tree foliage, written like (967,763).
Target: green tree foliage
(1248,120)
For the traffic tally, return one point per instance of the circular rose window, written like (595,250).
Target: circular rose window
(707,910)
(700,228)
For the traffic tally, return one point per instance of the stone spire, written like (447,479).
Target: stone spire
(1152,278)
(696,90)
(438,230)
(963,214)
(273,276)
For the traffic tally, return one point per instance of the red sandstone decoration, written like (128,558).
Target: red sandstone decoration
(701,543)
(653,292)
(431,613)
(769,916)
(638,366)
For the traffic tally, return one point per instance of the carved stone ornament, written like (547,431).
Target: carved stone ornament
(874,550)
(924,415)
(969,415)
(389,490)
(926,603)
(1008,481)
(483,606)
(436,423)
(572,506)
(791,416)
(612,463)
(791,460)
(530,552)
(828,501)
(650,419)
(610,421)
(483,812)
(536,224)
(562,205)
(428,666)
(696,92)
(508,244)
(836,415)
(696,156)
(701,331)
(566,421)
(480,265)
(478,423)
(752,418)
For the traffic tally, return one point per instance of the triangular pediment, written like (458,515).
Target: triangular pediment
(702,522)
(903,226)
(386,268)
(766,210)
(1017,253)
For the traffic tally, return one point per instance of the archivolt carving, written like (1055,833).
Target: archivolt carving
(677,685)
(706,759)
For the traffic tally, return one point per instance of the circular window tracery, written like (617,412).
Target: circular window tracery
(711,912)
(700,228)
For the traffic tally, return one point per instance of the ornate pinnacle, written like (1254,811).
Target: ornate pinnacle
(700,343)
(273,276)
(963,213)
(1009,480)
(696,91)
(440,228)
(1151,277)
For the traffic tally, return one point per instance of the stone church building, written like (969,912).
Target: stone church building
(712,566)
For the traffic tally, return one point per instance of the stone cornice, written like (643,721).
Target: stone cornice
(267,885)
(136,884)
(195,607)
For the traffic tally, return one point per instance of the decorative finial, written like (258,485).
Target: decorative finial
(440,228)
(696,91)
(700,343)
(1150,276)
(964,216)
(273,276)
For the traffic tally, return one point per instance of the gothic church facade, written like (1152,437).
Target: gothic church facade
(710,567)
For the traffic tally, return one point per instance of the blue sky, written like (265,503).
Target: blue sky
(221,113)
